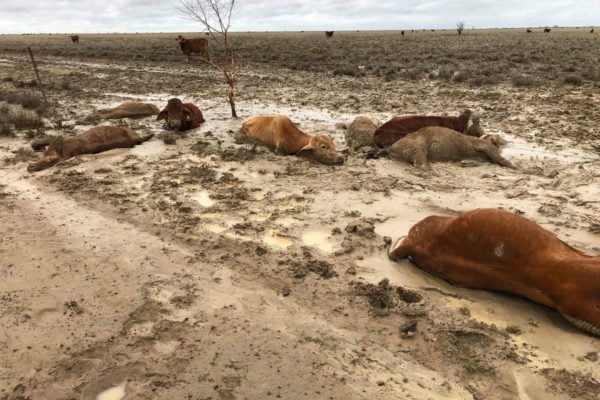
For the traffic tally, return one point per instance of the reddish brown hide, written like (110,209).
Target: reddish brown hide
(279,133)
(398,127)
(95,140)
(181,116)
(497,250)
(74,38)
(197,45)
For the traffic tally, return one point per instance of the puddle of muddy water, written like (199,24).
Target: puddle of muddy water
(318,239)
(275,239)
(167,347)
(149,149)
(214,228)
(143,329)
(203,198)
(520,148)
(113,393)
(379,266)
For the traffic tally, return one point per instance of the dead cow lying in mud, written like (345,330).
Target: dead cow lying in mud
(435,143)
(180,116)
(279,133)
(95,140)
(398,127)
(129,109)
(497,250)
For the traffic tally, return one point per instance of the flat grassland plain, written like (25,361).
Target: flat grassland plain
(204,270)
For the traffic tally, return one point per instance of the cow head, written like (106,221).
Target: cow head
(174,114)
(322,149)
(50,157)
(496,140)
(473,126)
(181,40)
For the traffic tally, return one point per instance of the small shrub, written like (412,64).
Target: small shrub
(573,79)
(26,100)
(348,71)
(6,130)
(412,74)
(523,80)
(462,76)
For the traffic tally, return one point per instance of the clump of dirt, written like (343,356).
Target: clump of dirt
(469,347)
(168,138)
(201,148)
(385,298)
(300,269)
(363,228)
(238,154)
(202,173)
(576,384)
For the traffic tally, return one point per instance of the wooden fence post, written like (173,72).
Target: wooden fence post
(37,75)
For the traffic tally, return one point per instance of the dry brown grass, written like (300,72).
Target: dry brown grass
(478,57)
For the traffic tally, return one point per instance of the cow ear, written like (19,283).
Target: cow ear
(309,146)
(162,115)
(187,114)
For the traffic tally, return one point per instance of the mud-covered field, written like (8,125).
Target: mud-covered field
(204,270)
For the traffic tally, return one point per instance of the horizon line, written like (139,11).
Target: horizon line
(304,30)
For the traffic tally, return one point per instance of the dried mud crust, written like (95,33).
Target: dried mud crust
(169,284)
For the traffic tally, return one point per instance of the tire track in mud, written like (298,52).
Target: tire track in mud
(166,326)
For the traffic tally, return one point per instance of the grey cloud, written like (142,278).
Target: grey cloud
(163,15)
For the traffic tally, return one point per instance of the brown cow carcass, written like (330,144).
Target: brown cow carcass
(196,45)
(497,250)
(279,133)
(128,109)
(74,38)
(180,116)
(398,127)
(95,140)
(436,143)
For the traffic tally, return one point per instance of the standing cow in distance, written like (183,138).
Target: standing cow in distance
(329,34)
(197,45)
(546,30)
(592,30)
(75,38)
(529,30)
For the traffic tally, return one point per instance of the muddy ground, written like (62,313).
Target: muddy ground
(203,270)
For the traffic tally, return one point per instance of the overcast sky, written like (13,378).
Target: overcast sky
(88,16)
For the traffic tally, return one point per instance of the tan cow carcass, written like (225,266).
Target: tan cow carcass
(280,134)
(95,140)
(435,143)
(128,109)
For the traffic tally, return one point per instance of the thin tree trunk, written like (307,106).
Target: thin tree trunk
(37,75)
(232,100)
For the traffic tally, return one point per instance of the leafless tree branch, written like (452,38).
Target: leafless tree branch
(215,17)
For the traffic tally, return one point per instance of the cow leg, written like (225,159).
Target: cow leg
(420,158)
(401,249)
(495,157)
